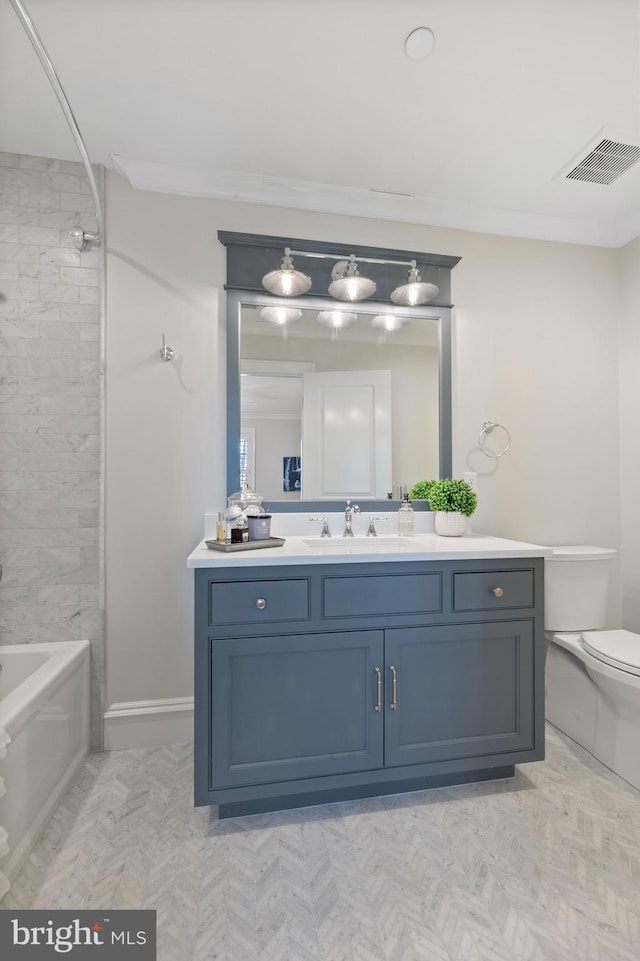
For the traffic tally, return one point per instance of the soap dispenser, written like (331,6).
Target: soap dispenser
(405,517)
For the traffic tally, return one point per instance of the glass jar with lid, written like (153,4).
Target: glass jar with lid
(247,500)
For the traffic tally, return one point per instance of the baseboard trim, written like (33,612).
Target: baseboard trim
(148,723)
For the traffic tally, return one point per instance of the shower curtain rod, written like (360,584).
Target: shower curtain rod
(79,237)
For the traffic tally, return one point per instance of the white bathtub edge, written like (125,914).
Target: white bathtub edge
(66,670)
(18,856)
(64,657)
(134,724)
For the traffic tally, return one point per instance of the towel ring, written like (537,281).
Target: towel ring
(487,427)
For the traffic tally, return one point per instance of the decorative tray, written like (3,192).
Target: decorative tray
(248,546)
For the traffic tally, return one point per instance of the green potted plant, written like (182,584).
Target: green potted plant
(420,491)
(452,500)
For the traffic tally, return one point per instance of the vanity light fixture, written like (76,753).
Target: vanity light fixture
(286,281)
(280,315)
(389,322)
(347,284)
(336,318)
(414,292)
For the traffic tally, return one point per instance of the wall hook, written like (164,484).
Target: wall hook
(166,353)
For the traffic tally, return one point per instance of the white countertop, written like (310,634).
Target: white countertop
(338,550)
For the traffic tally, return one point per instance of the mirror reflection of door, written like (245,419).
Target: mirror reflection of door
(346,426)
(273,358)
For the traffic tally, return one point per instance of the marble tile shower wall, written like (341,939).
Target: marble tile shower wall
(50,400)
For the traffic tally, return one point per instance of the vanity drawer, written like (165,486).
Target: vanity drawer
(377,594)
(492,590)
(255,602)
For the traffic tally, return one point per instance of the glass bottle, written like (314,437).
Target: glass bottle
(405,517)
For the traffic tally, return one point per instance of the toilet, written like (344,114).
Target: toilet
(592,676)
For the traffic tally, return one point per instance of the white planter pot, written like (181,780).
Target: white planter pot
(450,523)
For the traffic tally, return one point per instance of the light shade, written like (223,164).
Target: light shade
(280,315)
(286,282)
(348,284)
(414,292)
(336,318)
(389,322)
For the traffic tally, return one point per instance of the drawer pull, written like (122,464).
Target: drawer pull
(261,603)
(378,706)
(498,592)
(394,688)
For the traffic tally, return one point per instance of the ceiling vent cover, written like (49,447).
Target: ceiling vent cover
(606,162)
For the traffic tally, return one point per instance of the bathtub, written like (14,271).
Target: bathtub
(44,739)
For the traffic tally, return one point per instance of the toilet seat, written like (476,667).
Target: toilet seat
(620,649)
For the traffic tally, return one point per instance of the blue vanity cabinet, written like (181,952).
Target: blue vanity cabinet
(458,691)
(295,706)
(322,682)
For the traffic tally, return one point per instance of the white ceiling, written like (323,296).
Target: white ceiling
(315,105)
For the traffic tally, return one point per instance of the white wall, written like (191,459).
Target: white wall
(536,349)
(536,332)
(165,458)
(629,428)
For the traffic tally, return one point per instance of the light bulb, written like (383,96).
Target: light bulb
(348,284)
(389,322)
(286,282)
(336,318)
(415,291)
(280,315)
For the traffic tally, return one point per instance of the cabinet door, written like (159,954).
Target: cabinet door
(294,707)
(461,691)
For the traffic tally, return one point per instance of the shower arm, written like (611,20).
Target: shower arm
(79,237)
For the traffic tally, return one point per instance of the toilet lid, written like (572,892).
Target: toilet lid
(620,649)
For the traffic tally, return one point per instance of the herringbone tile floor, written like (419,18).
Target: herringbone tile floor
(545,867)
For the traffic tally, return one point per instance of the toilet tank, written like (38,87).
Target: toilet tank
(576,586)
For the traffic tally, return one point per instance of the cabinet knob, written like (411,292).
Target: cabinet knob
(498,592)
(261,603)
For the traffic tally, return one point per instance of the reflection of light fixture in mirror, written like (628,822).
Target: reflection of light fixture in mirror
(347,282)
(389,322)
(280,315)
(336,318)
(414,292)
(286,282)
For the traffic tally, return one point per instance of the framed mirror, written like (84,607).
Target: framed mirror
(321,408)
(294,411)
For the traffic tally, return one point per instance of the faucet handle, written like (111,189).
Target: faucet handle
(372,532)
(325,525)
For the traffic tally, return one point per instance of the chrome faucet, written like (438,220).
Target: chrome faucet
(325,525)
(372,532)
(350,510)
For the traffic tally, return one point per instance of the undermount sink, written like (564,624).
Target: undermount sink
(386,543)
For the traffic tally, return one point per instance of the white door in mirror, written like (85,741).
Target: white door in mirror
(346,426)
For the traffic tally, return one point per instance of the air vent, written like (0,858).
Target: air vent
(605,163)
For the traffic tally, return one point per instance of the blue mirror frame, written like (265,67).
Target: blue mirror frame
(249,257)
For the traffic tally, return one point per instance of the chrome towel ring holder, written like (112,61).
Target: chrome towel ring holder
(487,428)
